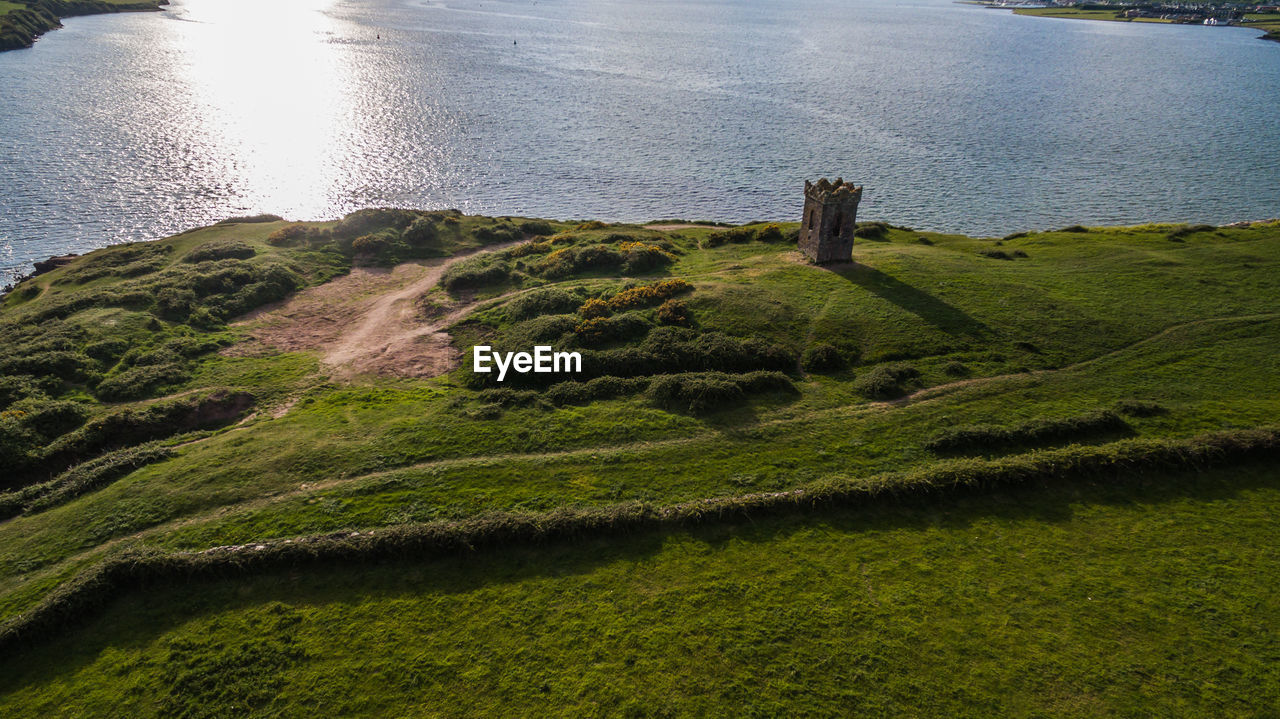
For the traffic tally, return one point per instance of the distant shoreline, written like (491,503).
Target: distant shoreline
(1270,27)
(29,19)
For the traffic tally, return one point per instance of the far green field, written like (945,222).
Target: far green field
(1148,597)
(1089,595)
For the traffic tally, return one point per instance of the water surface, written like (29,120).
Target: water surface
(955,117)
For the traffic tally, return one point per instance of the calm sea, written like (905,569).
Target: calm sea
(955,117)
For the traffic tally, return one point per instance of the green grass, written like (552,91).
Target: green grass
(1093,599)
(1073,324)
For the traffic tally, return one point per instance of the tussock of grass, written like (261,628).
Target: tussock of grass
(981,438)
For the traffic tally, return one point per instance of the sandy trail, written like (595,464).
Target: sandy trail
(366,322)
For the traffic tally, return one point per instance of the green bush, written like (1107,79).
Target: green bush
(702,392)
(674,312)
(548,301)
(220,250)
(598,330)
(541,329)
(503,232)
(872,230)
(594,308)
(368,221)
(537,228)
(422,235)
(141,381)
(886,381)
(475,272)
(822,357)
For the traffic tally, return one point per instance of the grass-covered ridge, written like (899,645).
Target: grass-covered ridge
(22,21)
(158,420)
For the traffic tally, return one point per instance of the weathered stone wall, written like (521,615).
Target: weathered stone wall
(829,220)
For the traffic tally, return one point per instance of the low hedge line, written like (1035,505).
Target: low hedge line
(81,479)
(97,586)
(983,437)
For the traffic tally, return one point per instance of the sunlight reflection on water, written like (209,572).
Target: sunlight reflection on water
(134,126)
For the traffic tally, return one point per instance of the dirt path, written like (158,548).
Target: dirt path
(366,322)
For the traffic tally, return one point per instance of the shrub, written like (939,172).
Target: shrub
(543,328)
(289,235)
(600,388)
(368,221)
(872,230)
(476,272)
(822,357)
(994,254)
(141,381)
(1034,432)
(375,244)
(175,303)
(696,393)
(607,329)
(63,364)
(538,228)
(642,257)
(143,424)
(560,263)
(701,392)
(422,234)
(222,250)
(1015,235)
(18,387)
(1074,228)
(594,308)
(886,381)
(81,479)
(771,232)
(528,248)
(674,312)
(591,225)
(955,369)
(646,295)
(502,232)
(552,300)
(596,256)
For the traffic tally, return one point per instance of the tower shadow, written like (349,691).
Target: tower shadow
(945,317)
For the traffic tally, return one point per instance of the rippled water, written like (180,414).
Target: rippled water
(955,117)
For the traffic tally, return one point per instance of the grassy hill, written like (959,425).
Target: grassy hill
(250,468)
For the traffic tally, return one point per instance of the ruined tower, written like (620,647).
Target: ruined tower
(830,217)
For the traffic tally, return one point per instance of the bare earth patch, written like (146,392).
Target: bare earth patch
(366,322)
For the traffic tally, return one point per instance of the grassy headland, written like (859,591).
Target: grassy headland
(22,21)
(960,476)
(1269,23)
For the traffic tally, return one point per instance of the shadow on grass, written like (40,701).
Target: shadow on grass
(945,317)
(144,615)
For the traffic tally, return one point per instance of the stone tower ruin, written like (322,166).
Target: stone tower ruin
(830,217)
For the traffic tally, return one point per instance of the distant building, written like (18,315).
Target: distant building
(830,218)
